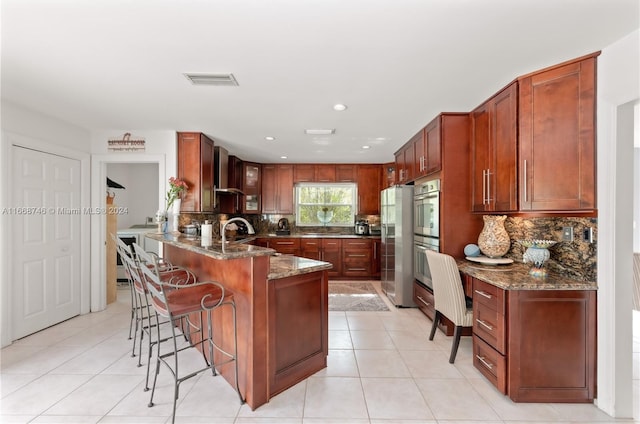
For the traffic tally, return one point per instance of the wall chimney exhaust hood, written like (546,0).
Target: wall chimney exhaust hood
(221,169)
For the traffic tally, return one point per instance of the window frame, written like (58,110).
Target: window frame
(352,205)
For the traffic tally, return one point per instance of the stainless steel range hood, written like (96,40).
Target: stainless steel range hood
(221,169)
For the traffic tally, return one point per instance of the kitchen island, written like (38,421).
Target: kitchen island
(533,338)
(282,310)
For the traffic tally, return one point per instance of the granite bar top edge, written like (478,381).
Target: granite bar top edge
(213,248)
(516,277)
(282,266)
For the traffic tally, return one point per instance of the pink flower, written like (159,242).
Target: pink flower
(176,188)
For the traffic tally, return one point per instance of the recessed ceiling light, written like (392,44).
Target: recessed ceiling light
(269,138)
(339,107)
(212,79)
(320,132)
(366,147)
(283,157)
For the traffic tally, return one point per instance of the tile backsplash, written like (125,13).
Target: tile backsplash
(576,259)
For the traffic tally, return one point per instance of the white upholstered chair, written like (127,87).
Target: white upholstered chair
(449,297)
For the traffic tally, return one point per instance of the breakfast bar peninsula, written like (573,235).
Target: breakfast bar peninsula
(282,310)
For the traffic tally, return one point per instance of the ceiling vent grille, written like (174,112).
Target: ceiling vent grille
(320,131)
(212,79)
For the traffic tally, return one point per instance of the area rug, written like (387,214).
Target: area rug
(354,296)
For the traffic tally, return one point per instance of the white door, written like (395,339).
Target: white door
(46,240)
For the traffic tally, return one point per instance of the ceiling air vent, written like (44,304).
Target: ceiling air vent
(320,131)
(211,79)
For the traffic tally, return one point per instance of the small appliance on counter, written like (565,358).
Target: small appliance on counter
(362,228)
(283,227)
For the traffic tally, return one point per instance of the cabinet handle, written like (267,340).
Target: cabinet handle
(484,187)
(357,269)
(525,180)
(284,242)
(484,362)
(423,301)
(356,256)
(488,186)
(484,324)
(481,293)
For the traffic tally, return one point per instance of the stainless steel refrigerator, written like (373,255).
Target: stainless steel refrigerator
(396,216)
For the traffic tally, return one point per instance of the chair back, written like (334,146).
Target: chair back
(447,287)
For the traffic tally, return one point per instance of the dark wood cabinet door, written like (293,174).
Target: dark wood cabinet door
(285,189)
(494,153)
(557,138)
(269,187)
(420,153)
(504,176)
(346,173)
(325,173)
(304,173)
(332,253)
(277,188)
(369,189)
(311,248)
(432,142)
(196,168)
(251,186)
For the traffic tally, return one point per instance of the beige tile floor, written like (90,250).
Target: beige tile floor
(382,369)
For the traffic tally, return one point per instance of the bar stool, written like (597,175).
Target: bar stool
(147,318)
(179,303)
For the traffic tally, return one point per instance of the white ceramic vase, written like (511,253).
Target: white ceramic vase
(175,215)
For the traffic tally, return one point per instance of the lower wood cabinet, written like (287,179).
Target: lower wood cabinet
(536,345)
(356,259)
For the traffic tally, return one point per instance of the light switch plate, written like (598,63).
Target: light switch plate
(567,233)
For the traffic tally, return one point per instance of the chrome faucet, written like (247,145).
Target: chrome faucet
(250,229)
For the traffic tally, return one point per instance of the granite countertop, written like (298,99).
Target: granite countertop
(282,266)
(318,235)
(214,248)
(516,277)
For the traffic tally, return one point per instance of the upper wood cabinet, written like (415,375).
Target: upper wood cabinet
(324,173)
(277,189)
(432,162)
(557,138)
(346,173)
(405,159)
(494,153)
(369,187)
(196,168)
(252,187)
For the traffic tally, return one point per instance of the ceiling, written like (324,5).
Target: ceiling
(118,65)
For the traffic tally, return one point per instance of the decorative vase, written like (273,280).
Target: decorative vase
(494,240)
(175,214)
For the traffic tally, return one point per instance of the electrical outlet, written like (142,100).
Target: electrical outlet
(588,235)
(567,233)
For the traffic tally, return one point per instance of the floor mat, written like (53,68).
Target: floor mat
(354,296)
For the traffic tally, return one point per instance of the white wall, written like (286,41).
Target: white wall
(618,88)
(37,131)
(139,199)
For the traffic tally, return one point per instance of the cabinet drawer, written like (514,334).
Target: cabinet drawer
(490,363)
(489,325)
(424,299)
(490,296)
(363,244)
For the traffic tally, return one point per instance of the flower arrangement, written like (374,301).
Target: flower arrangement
(176,188)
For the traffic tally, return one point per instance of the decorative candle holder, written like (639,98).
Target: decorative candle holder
(537,253)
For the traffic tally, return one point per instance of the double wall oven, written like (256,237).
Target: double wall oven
(426,228)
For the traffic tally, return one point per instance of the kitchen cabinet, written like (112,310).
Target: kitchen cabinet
(357,258)
(432,162)
(277,189)
(332,253)
(494,153)
(314,173)
(369,187)
(536,345)
(196,168)
(405,158)
(557,138)
(284,245)
(346,173)
(251,186)
(311,248)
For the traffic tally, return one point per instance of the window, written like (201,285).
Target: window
(321,204)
